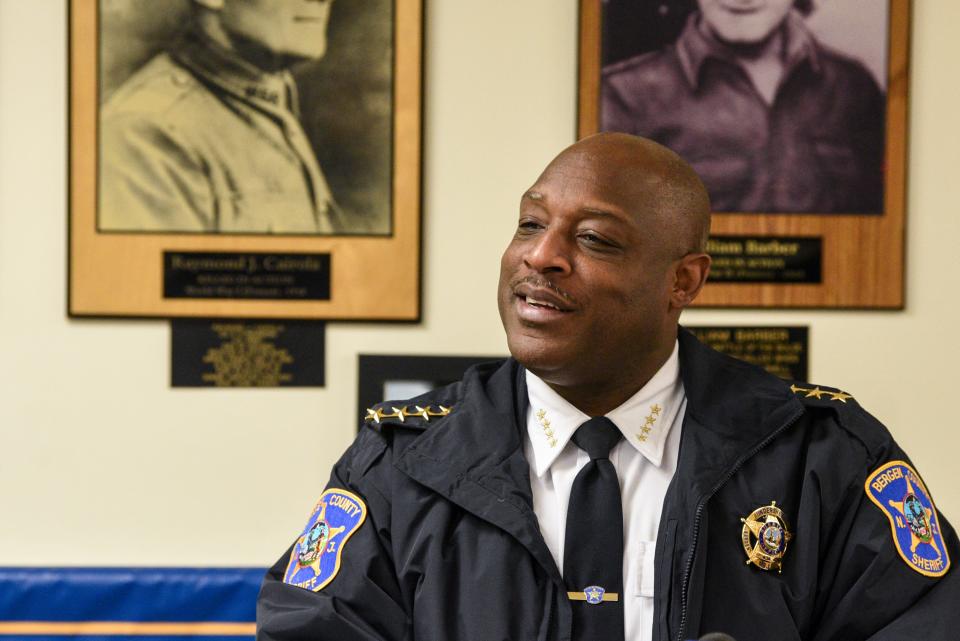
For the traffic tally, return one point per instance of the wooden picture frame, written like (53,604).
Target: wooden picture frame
(367,268)
(826,258)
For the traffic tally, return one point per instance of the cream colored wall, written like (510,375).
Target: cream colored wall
(102,463)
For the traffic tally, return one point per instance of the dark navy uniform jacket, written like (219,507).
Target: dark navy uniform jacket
(451,548)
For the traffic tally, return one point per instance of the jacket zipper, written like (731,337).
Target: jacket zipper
(699,514)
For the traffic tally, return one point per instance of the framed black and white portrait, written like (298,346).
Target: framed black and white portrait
(209,131)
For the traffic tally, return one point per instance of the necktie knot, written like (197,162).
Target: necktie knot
(597,437)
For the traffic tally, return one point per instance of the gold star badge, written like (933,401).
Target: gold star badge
(769,527)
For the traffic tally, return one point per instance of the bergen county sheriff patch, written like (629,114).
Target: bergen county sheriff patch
(315,559)
(896,488)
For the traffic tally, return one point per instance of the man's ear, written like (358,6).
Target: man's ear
(688,279)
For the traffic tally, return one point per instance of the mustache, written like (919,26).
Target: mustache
(537,281)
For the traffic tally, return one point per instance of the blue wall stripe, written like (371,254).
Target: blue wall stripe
(221,595)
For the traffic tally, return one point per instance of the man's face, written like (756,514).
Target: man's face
(744,21)
(586,281)
(296,28)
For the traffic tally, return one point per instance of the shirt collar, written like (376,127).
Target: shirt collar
(694,47)
(644,419)
(271,92)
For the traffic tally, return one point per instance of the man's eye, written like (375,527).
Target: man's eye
(593,239)
(527,226)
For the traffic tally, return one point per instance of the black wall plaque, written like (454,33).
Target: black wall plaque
(247,353)
(765,259)
(782,351)
(246,275)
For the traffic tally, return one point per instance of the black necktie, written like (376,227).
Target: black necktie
(593,547)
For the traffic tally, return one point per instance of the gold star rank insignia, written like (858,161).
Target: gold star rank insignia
(769,527)
(818,393)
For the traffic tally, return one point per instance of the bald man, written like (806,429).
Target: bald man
(615,479)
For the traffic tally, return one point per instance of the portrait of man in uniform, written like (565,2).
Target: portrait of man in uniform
(238,117)
(767,99)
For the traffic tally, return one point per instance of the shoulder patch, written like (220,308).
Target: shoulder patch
(820,393)
(897,489)
(315,558)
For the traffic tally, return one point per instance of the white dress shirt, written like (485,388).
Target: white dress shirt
(645,461)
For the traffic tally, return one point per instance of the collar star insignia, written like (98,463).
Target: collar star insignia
(816,393)
(547,430)
(648,422)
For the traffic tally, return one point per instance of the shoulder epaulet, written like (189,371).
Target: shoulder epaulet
(850,415)
(409,416)
(819,394)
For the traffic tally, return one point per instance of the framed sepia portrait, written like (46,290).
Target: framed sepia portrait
(793,112)
(245,158)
